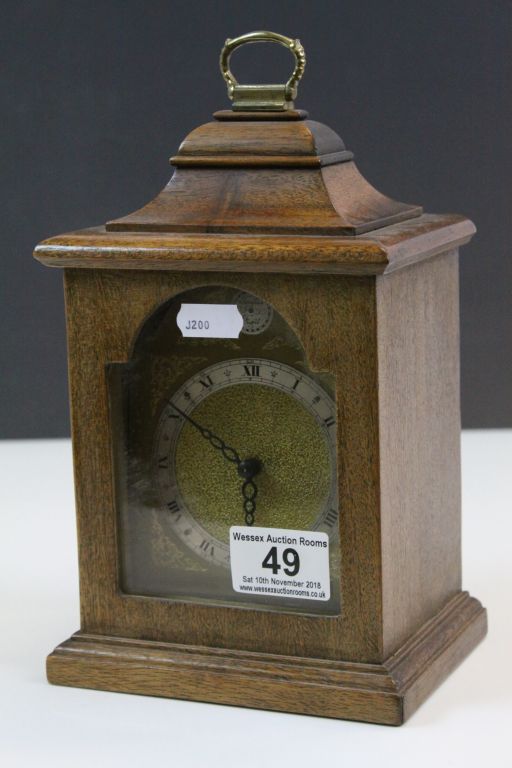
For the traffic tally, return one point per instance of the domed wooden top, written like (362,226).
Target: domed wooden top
(263,188)
(265,172)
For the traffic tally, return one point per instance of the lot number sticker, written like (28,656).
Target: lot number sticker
(277,562)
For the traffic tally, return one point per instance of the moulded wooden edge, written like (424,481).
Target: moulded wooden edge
(386,693)
(384,251)
(250,142)
(242,116)
(267,161)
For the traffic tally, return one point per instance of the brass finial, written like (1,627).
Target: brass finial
(263,97)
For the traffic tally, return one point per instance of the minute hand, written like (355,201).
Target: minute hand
(229,453)
(247,469)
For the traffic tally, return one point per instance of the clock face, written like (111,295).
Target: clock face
(261,410)
(212,433)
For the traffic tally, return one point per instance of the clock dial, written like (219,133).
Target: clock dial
(257,314)
(219,432)
(262,410)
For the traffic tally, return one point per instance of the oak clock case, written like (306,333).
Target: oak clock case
(335,412)
(189,415)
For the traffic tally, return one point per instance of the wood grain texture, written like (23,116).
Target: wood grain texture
(269,176)
(105,311)
(386,693)
(335,200)
(404,621)
(385,251)
(261,140)
(419,428)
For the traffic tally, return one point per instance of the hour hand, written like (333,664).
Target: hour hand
(248,469)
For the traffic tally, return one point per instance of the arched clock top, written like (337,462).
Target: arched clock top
(269,300)
(269,323)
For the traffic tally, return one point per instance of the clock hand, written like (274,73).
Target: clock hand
(229,453)
(247,468)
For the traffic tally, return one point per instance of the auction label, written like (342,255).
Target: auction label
(278,562)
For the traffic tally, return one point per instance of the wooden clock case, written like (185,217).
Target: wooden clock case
(273,204)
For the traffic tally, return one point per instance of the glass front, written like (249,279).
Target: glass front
(212,433)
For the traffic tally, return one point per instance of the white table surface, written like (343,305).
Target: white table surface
(467,722)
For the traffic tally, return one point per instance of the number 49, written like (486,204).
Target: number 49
(290,558)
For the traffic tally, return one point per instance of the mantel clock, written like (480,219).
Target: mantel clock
(264,381)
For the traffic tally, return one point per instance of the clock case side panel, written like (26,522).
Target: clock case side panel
(419,426)
(335,320)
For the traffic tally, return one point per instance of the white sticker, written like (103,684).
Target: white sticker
(276,562)
(210,321)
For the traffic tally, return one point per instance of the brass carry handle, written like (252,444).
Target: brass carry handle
(263,97)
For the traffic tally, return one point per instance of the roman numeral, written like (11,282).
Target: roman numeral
(206,546)
(331,517)
(329,421)
(207,383)
(172,506)
(297,382)
(163,462)
(252,370)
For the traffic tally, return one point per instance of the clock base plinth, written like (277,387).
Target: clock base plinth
(386,693)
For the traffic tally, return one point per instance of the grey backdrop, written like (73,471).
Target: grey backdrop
(98,95)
